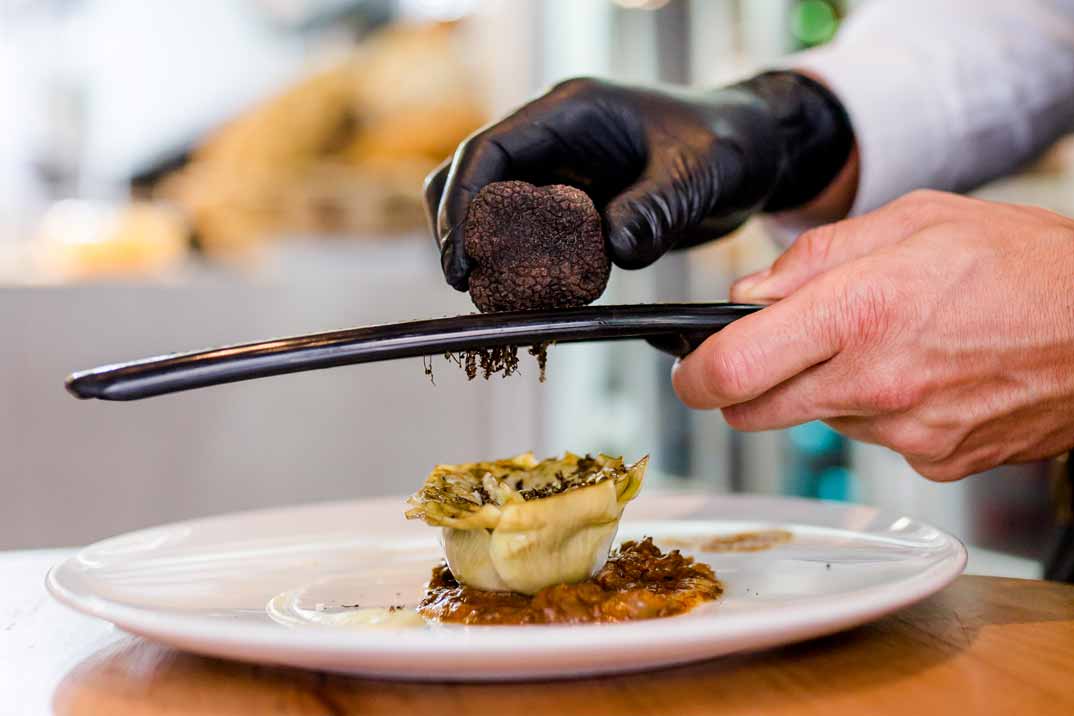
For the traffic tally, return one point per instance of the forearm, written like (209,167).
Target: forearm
(943,95)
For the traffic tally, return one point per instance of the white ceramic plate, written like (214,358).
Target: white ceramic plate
(207,585)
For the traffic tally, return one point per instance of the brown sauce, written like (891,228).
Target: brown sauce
(637,582)
(741,542)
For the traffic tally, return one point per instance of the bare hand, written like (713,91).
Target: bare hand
(939,326)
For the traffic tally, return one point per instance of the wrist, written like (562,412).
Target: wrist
(815,143)
(832,204)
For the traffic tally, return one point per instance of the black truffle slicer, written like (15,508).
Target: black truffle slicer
(675,328)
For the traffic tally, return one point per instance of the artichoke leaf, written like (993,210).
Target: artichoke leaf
(564,538)
(467,555)
(522,525)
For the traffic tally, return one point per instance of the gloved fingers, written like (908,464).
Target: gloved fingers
(639,222)
(544,142)
(712,227)
(681,200)
(477,162)
(432,190)
(452,258)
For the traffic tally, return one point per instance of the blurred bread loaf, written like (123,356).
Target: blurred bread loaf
(343,152)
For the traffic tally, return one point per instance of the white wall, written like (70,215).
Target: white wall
(118,82)
(74,471)
(159,72)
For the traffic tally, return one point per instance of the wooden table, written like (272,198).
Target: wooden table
(981,646)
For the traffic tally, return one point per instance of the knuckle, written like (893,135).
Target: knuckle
(471,144)
(574,86)
(918,442)
(467,149)
(924,197)
(919,206)
(738,417)
(815,245)
(864,312)
(943,471)
(894,388)
(894,394)
(433,182)
(479,159)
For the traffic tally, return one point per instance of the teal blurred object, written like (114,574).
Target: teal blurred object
(815,438)
(817,463)
(836,483)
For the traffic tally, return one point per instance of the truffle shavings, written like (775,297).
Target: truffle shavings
(499,360)
(453,492)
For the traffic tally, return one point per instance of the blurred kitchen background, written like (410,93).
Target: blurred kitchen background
(176,175)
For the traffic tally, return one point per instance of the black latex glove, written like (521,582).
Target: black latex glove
(667,169)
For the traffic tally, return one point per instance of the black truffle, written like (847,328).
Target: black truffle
(534,247)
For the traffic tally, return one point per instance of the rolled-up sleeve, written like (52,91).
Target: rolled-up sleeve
(947,94)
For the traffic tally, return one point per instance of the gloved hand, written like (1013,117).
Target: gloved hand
(667,169)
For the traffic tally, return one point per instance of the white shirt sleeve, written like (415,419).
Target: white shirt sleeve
(947,94)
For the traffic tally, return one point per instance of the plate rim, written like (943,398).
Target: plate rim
(854,607)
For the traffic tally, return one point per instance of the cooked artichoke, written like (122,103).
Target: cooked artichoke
(521,524)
